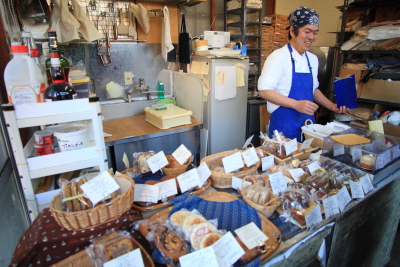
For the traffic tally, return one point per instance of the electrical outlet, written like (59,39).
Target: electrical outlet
(128,78)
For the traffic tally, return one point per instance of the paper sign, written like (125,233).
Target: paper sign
(386,157)
(338,149)
(278,183)
(201,258)
(221,77)
(130,259)
(313,218)
(306,143)
(296,174)
(99,187)
(157,161)
(251,235)
(167,188)
(146,193)
(204,172)
(356,190)
(233,162)
(356,154)
(379,162)
(227,250)
(267,162)
(396,151)
(343,198)
(366,184)
(181,154)
(331,206)
(248,141)
(313,167)
(291,146)
(188,180)
(250,156)
(240,74)
(237,183)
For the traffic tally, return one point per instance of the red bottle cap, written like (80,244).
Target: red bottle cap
(35,52)
(19,49)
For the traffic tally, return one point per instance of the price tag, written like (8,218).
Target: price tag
(291,146)
(356,153)
(188,180)
(278,183)
(296,174)
(167,188)
(146,193)
(313,167)
(237,183)
(204,172)
(248,141)
(99,187)
(181,154)
(251,235)
(343,198)
(130,259)
(387,157)
(201,258)
(227,250)
(250,156)
(356,190)
(331,206)
(157,161)
(233,162)
(267,162)
(379,162)
(338,149)
(366,184)
(313,218)
(396,151)
(306,143)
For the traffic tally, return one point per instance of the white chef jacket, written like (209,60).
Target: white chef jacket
(277,72)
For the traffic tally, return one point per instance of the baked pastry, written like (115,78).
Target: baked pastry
(249,254)
(67,193)
(209,239)
(367,162)
(74,192)
(118,248)
(170,244)
(141,160)
(147,226)
(172,162)
(177,218)
(200,230)
(190,221)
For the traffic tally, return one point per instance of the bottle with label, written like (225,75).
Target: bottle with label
(53,47)
(23,79)
(160,87)
(35,55)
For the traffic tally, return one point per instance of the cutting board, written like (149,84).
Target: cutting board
(350,139)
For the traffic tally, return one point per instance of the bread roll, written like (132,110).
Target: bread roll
(209,239)
(170,244)
(147,226)
(141,160)
(190,221)
(177,218)
(199,231)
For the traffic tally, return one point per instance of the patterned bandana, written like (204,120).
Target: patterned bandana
(303,16)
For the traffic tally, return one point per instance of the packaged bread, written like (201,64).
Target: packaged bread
(178,217)
(249,254)
(148,226)
(141,162)
(170,244)
(199,231)
(190,221)
(113,245)
(209,239)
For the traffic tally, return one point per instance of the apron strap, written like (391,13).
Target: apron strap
(291,55)
(183,24)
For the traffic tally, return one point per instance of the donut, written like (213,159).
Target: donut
(200,230)
(147,226)
(209,239)
(191,220)
(170,244)
(177,217)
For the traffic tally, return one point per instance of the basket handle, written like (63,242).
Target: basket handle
(308,120)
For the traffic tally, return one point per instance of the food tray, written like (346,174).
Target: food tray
(298,154)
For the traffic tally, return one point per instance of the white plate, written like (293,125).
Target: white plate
(218,52)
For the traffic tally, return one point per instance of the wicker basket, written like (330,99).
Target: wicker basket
(299,154)
(176,171)
(224,180)
(80,220)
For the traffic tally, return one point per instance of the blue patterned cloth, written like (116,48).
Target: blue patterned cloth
(303,16)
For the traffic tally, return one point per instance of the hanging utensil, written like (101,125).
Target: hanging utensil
(132,24)
(122,28)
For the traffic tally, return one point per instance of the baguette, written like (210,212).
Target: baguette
(67,193)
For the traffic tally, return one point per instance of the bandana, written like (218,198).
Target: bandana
(303,16)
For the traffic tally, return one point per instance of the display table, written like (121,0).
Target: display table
(135,134)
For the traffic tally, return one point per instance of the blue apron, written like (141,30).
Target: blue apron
(287,120)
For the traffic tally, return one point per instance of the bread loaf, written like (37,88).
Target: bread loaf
(118,248)
(141,160)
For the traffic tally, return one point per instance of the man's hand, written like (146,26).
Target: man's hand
(306,107)
(342,109)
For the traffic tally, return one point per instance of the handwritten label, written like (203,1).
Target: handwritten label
(99,187)
(251,235)
(233,162)
(291,146)
(379,163)
(267,162)
(338,149)
(204,172)
(250,156)
(188,180)
(313,218)
(200,258)
(130,259)
(157,161)
(396,151)
(227,250)
(296,174)
(237,183)
(248,141)
(181,154)
(331,206)
(356,190)
(343,198)
(366,184)
(356,154)
(313,167)
(386,157)
(306,143)
(167,188)
(278,183)
(146,193)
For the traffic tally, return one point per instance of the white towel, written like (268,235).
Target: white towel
(87,29)
(166,42)
(142,16)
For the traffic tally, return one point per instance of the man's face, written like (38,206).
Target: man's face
(304,40)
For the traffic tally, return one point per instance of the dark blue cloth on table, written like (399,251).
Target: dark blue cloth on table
(148,176)
(287,229)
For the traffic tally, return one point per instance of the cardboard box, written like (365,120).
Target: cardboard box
(381,90)
(281,28)
(267,30)
(279,19)
(353,14)
(359,74)
(388,129)
(385,13)
(281,37)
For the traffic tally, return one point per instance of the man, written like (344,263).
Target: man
(289,78)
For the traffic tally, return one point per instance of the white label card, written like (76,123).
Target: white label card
(331,206)
(204,172)
(291,146)
(188,180)
(356,154)
(237,183)
(356,190)
(130,259)
(227,250)
(167,188)
(379,162)
(157,161)
(146,193)
(233,162)
(201,258)
(387,157)
(306,143)
(251,235)
(338,149)
(250,156)
(366,184)
(181,154)
(313,167)
(278,183)
(396,151)
(343,198)
(296,174)
(267,162)
(313,218)
(248,141)
(99,187)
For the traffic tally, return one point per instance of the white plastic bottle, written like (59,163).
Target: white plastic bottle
(23,78)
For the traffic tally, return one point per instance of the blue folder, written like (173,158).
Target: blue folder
(346,92)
